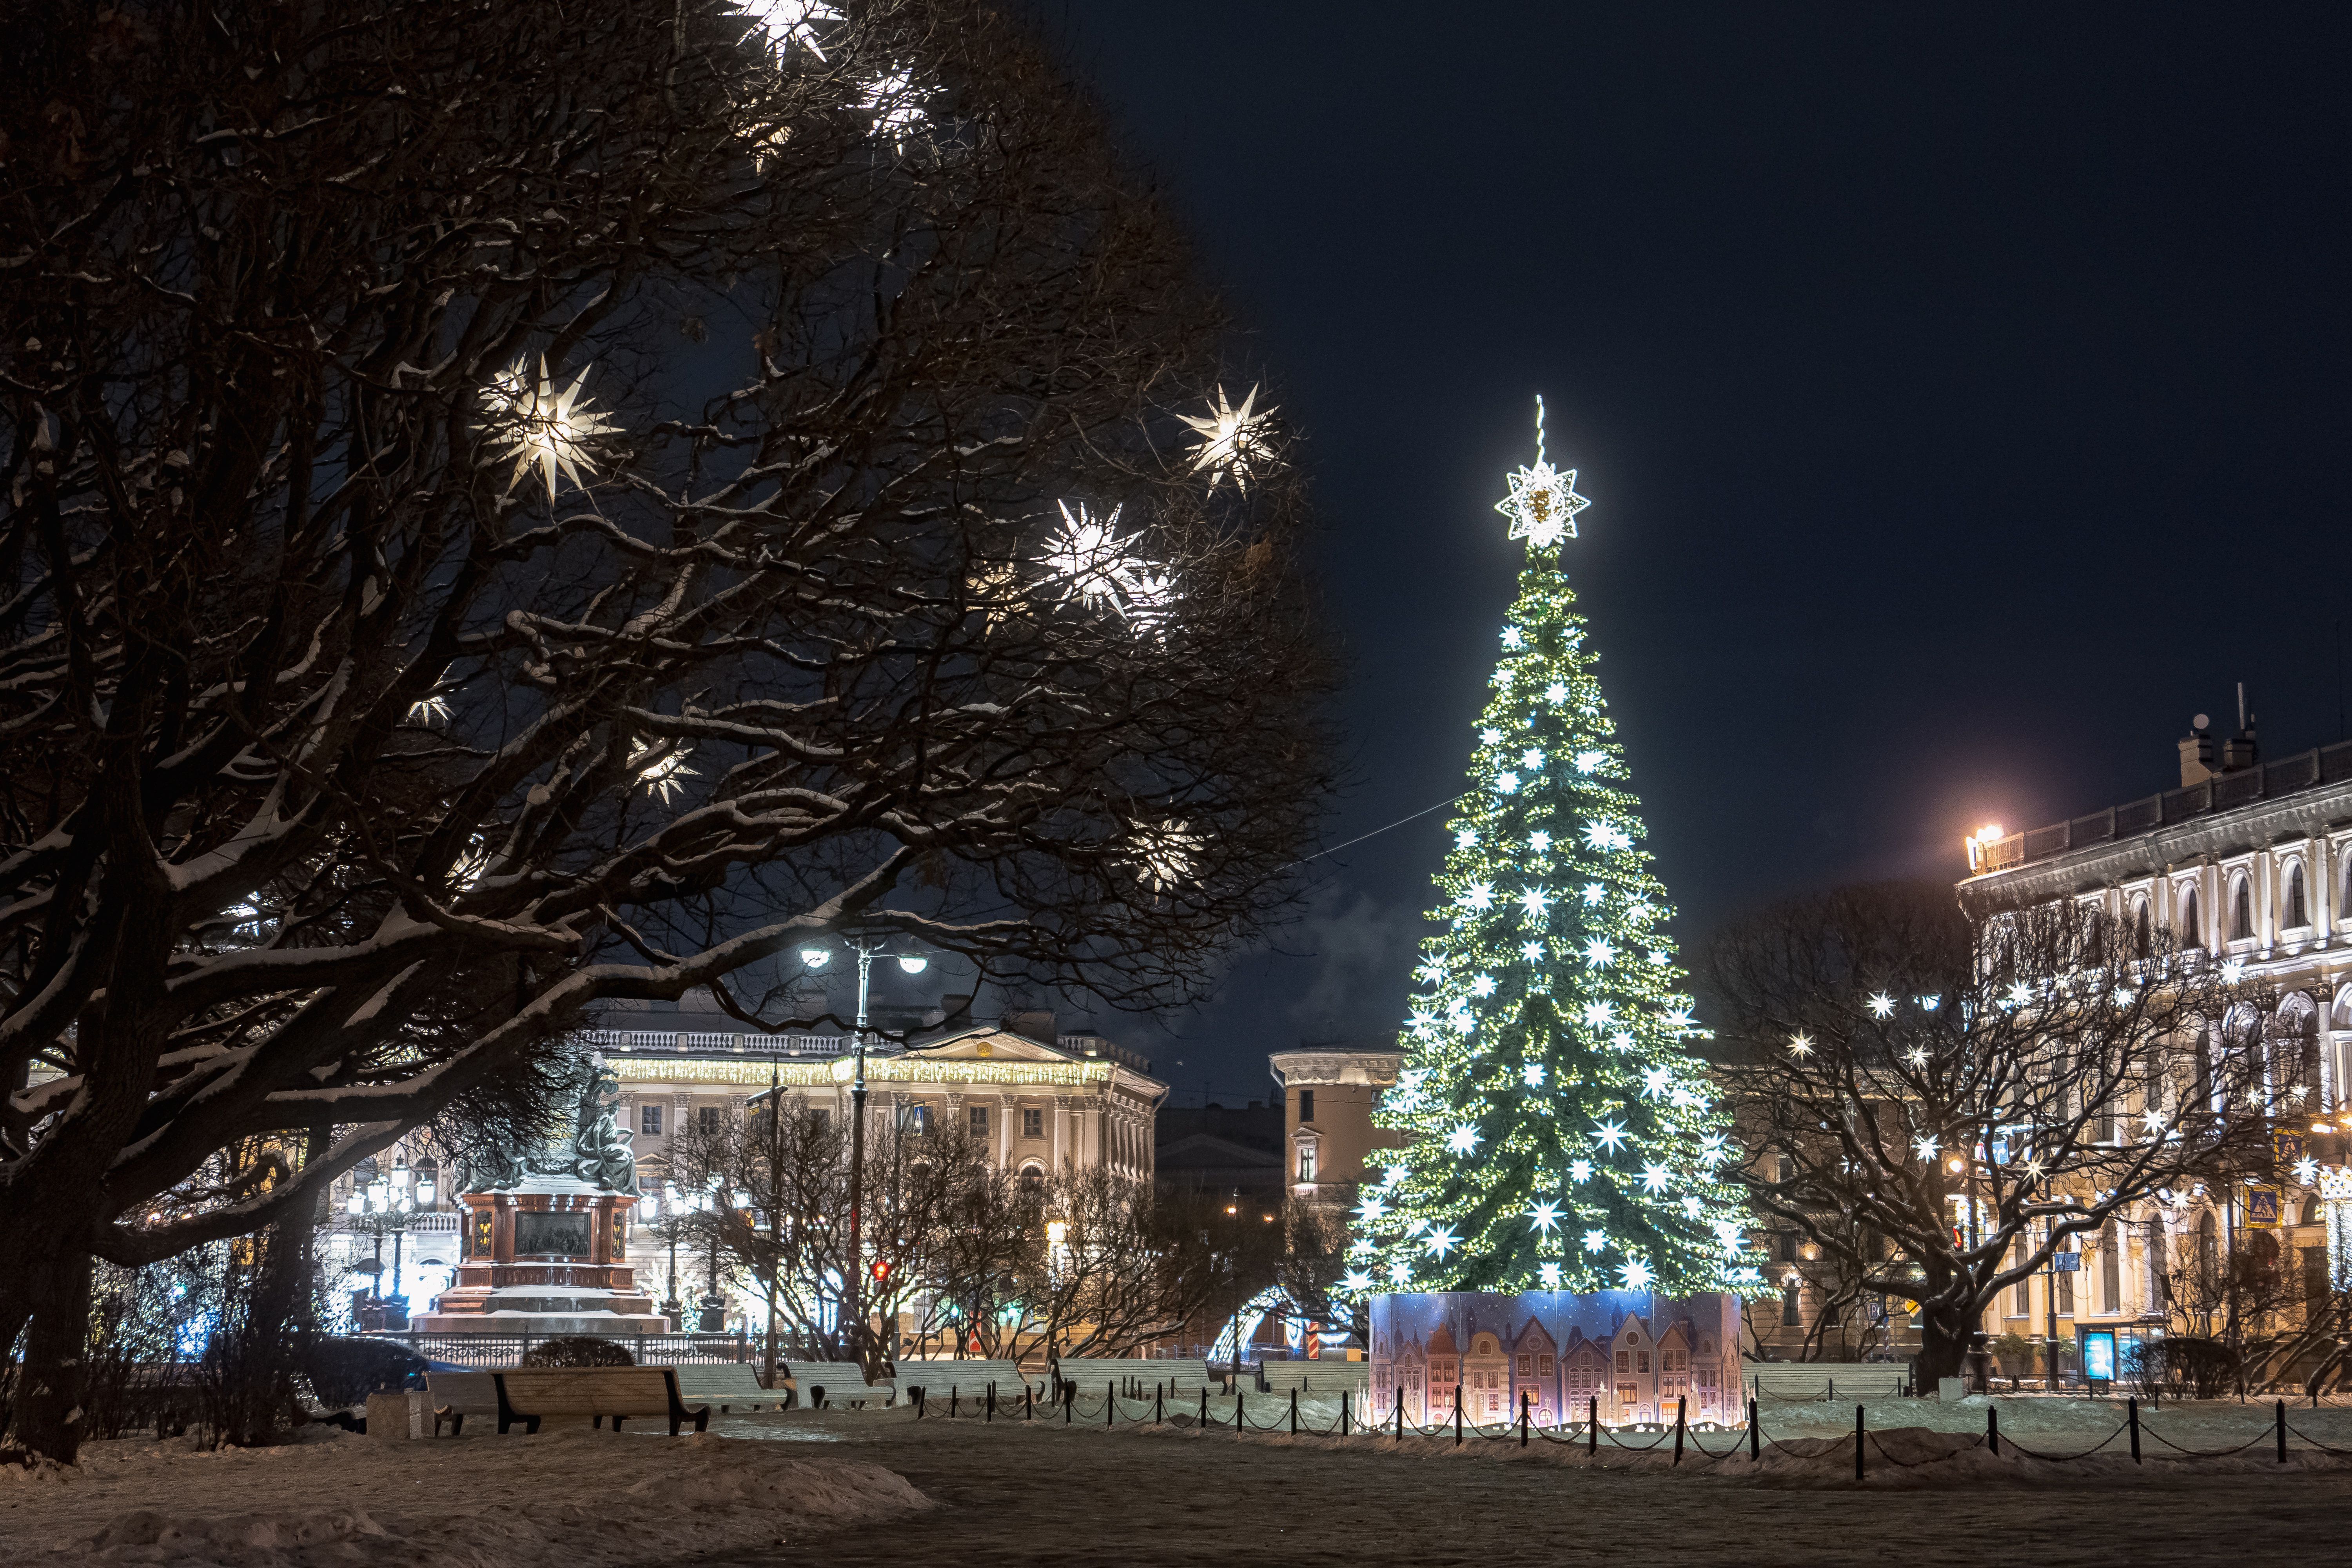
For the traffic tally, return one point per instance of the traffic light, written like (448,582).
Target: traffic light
(880,1270)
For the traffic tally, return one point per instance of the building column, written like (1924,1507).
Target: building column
(1008,1107)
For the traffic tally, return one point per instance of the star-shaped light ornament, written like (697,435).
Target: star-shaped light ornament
(543,428)
(1164,854)
(1232,440)
(1543,503)
(896,103)
(787,22)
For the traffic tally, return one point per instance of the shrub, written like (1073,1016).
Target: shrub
(578,1350)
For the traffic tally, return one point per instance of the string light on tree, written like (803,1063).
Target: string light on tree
(1563,1112)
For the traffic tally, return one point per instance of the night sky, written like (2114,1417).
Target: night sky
(1961,400)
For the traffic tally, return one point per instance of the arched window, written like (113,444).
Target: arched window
(2297,913)
(1792,1314)
(2312,1213)
(2209,1248)
(1033,1178)
(2140,929)
(2242,911)
(2190,934)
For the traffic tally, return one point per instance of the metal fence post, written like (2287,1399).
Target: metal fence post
(1205,1408)
(2131,1414)
(1400,1413)
(1240,1422)
(1681,1422)
(1755,1436)
(1592,1425)
(1857,1442)
(1523,1418)
(2281,1431)
(1294,1412)
(1993,1429)
(1457,1415)
(1343,1411)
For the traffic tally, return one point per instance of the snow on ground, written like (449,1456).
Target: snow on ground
(1043,1495)
(567,1497)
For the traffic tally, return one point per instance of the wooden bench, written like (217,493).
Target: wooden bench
(454,1396)
(968,1380)
(726,1384)
(1318,1376)
(529,1394)
(817,1384)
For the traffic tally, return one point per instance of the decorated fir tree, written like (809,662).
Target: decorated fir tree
(1556,1134)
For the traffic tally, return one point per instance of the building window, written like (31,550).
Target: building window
(2242,911)
(649,1121)
(1543,1363)
(2190,935)
(1792,1315)
(1032,1121)
(1624,1360)
(1307,1162)
(1527,1366)
(2296,915)
(822,1116)
(1305,1105)
(979,1114)
(919,1119)
(2315,1274)
(2111,1268)
(2024,1307)
(2065,1281)
(1033,1178)
(706,1117)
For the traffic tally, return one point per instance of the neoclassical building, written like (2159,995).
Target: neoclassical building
(2251,862)
(1035,1098)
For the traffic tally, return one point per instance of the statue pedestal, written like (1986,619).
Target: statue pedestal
(545,1257)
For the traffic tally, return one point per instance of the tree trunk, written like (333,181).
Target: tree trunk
(1943,1350)
(53,1285)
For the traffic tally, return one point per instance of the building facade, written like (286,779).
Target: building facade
(2250,863)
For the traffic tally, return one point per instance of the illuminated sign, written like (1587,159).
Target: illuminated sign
(2099,1354)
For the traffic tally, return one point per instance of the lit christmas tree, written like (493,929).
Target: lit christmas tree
(1557,1133)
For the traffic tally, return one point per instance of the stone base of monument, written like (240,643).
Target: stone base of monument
(543,1258)
(1631,1354)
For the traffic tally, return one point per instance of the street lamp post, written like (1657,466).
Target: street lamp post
(854,1275)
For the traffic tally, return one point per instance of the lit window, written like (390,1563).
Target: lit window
(1307,1164)
(1032,1123)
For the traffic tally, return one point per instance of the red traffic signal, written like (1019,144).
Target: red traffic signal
(880,1269)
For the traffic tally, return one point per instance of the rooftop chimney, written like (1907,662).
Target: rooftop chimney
(2197,752)
(2239,752)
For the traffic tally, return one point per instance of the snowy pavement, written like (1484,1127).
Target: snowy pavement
(594,1499)
(1048,1494)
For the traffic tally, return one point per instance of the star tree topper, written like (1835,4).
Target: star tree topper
(1543,503)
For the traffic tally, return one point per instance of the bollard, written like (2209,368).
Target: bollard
(1755,1436)
(1457,1415)
(1204,1410)
(1069,1402)
(1680,1421)
(1400,1413)
(1592,1426)
(1523,1418)
(1992,1430)
(2131,1414)
(2281,1431)
(1110,1408)
(1343,1411)
(1293,1412)
(1857,1442)
(991,1405)
(1028,1403)
(1241,1422)
(1159,1406)
(951,1401)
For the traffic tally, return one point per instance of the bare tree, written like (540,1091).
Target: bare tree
(1940,1105)
(375,695)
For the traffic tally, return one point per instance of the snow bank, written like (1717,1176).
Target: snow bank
(597,1500)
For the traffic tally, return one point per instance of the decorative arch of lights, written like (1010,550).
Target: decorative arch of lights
(2336,1193)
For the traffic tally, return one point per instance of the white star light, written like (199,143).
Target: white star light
(1654,1178)
(1917,1056)
(1593,891)
(1232,440)
(1534,1075)
(1924,1146)
(2232,971)
(1710,1148)
(1088,557)
(1532,951)
(1536,901)
(1556,693)
(1440,1242)
(1601,836)
(1543,504)
(543,428)
(2154,1119)
(1355,1282)
(1726,1231)
(787,22)
(1549,1272)
(1490,737)
(1594,1240)
(1483,987)
(1165,854)
(2306,1170)
(1928,1004)
(1540,841)
(1608,1135)
(1400,1272)
(1420,1024)
(1546,1217)
(1586,761)
(1514,639)
(1598,953)
(1479,896)
(1372,1210)
(1637,1275)
(1622,1040)
(1801,1044)
(1599,1013)
(1462,1139)
(660,772)
(1690,1208)
(1654,1082)
(1882,1006)
(1531,760)
(1579,1170)
(1465,839)
(892,98)
(2019,996)
(1506,784)
(433,709)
